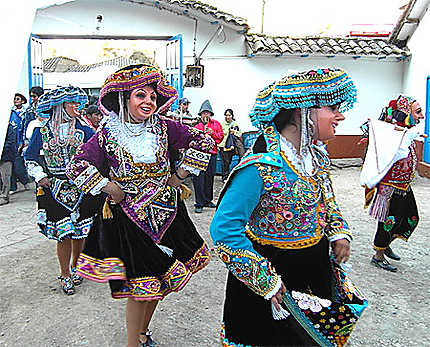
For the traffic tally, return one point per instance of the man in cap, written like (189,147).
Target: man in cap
(17,121)
(183,115)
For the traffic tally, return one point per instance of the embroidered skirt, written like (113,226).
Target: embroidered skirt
(402,219)
(117,251)
(58,221)
(316,298)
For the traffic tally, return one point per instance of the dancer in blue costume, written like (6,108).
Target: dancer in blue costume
(64,213)
(284,287)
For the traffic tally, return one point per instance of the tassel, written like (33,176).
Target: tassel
(107,213)
(166,250)
(278,315)
(40,191)
(185,192)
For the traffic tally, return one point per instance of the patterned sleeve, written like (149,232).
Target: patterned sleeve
(336,228)
(228,233)
(197,144)
(33,160)
(83,168)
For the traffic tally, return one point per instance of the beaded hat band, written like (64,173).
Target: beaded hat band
(55,97)
(399,111)
(314,88)
(132,77)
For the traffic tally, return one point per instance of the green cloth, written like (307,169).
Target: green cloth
(226,129)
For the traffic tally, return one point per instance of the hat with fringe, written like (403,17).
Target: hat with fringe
(314,88)
(132,77)
(58,96)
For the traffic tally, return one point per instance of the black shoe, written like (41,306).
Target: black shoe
(390,254)
(210,205)
(383,264)
(198,209)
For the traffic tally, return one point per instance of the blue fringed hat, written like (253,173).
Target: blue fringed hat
(314,88)
(57,96)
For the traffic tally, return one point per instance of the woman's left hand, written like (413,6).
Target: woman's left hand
(341,250)
(174,181)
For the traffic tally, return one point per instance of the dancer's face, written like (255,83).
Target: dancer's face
(417,112)
(228,117)
(142,103)
(328,118)
(72,109)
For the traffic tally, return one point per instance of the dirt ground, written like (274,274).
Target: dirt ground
(35,312)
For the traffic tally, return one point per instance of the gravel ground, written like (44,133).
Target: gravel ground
(35,312)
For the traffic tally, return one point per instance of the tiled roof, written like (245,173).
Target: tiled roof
(58,63)
(76,67)
(201,7)
(259,44)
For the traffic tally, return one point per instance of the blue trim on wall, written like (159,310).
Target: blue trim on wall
(426,155)
(30,75)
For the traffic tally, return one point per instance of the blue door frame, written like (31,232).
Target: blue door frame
(35,62)
(426,156)
(174,66)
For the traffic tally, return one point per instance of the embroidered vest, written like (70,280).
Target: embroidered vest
(149,201)
(292,211)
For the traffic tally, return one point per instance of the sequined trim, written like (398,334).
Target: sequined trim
(226,343)
(154,288)
(66,227)
(250,268)
(200,259)
(196,159)
(100,270)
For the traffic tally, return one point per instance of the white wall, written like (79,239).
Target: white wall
(231,79)
(124,18)
(418,68)
(234,83)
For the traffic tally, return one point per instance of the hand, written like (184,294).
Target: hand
(20,149)
(174,181)
(341,250)
(115,192)
(44,182)
(277,298)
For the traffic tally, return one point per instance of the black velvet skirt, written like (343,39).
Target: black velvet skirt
(313,320)
(67,216)
(118,251)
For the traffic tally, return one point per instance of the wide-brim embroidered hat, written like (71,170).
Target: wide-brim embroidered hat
(314,88)
(399,111)
(58,96)
(132,77)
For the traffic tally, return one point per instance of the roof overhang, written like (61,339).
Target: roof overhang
(408,22)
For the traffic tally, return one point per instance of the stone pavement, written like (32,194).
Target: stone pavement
(18,229)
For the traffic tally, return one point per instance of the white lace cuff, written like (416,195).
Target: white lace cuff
(190,169)
(99,186)
(339,237)
(35,171)
(275,289)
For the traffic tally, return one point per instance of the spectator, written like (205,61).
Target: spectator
(183,115)
(204,182)
(93,116)
(19,171)
(6,161)
(30,119)
(231,144)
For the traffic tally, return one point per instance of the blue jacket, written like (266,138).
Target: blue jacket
(16,120)
(10,145)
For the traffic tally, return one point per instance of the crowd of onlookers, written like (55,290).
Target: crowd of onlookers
(23,120)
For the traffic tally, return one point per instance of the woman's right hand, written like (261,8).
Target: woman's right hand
(277,298)
(115,192)
(44,182)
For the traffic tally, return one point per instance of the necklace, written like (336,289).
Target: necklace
(134,130)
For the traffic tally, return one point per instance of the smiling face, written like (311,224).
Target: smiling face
(328,118)
(72,109)
(142,103)
(206,116)
(228,117)
(18,101)
(95,118)
(417,112)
